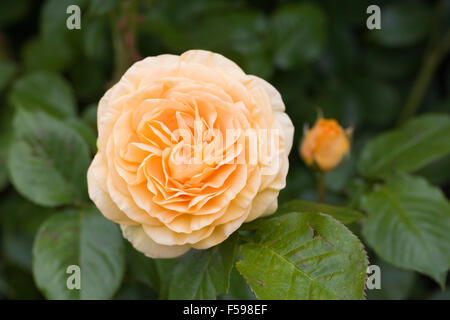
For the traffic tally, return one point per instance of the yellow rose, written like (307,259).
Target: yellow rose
(189,148)
(325,144)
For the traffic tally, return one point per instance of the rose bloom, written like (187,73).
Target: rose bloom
(325,144)
(164,170)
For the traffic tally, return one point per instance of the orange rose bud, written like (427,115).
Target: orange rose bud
(325,144)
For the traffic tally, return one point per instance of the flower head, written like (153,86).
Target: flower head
(189,148)
(325,144)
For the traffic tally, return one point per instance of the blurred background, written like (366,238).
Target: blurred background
(318,54)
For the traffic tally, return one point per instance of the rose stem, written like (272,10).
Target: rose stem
(321,190)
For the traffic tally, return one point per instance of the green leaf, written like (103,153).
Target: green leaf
(402,24)
(337,92)
(19,223)
(88,80)
(101,7)
(339,178)
(83,238)
(143,269)
(47,161)
(344,215)
(239,289)
(7,70)
(441,295)
(304,256)
(47,53)
(298,33)
(95,40)
(44,91)
(89,115)
(204,274)
(85,131)
(400,63)
(396,284)
(135,291)
(6,116)
(171,22)
(380,101)
(238,35)
(408,225)
(437,172)
(411,147)
(53,16)
(165,269)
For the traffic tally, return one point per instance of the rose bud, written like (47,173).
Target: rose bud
(325,144)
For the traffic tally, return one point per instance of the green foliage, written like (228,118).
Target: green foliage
(44,91)
(407,149)
(53,17)
(100,7)
(85,131)
(83,238)
(7,70)
(203,274)
(298,34)
(344,215)
(408,225)
(89,115)
(239,289)
(49,54)
(396,284)
(441,295)
(95,40)
(6,116)
(20,220)
(47,161)
(304,256)
(317,54)
(403,24)
(142,268)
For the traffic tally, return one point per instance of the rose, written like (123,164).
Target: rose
(168,171)
(325,144)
